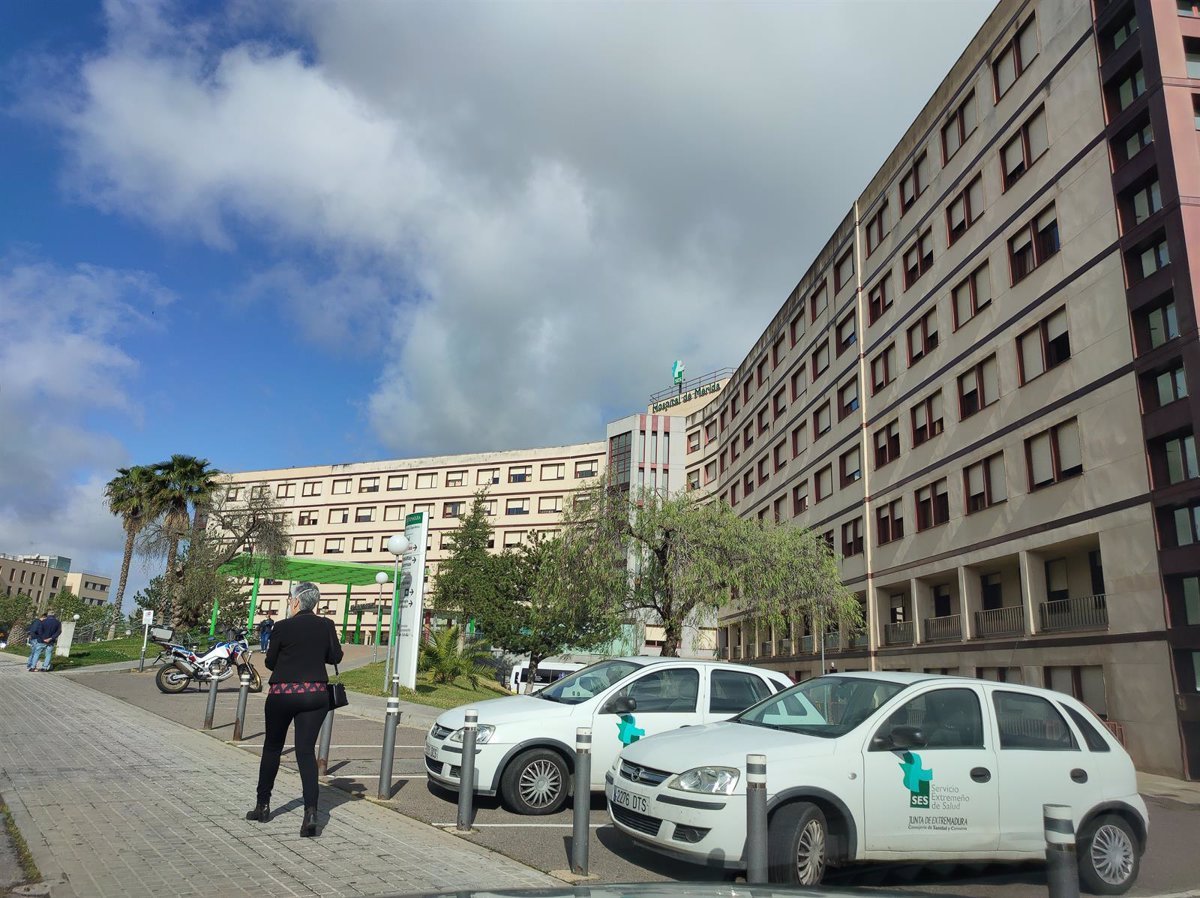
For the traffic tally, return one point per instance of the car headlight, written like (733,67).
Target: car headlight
(710,780)
(483,733)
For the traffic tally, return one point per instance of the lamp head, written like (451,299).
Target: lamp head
(381,578)
(398,544)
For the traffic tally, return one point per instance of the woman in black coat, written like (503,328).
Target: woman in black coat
(301,646)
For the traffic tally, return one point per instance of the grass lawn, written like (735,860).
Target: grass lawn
(86,654)
(369,680)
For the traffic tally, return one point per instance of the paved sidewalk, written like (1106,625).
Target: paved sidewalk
(114,800)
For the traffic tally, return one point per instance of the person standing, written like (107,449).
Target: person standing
(50,631)
(264,631)
(34,632)
(300,647)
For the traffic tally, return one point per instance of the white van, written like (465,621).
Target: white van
(547,673)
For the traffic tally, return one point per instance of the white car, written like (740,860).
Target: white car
(525,744)
(889,766)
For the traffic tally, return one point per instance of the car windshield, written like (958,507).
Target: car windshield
(586,683)
(827,706)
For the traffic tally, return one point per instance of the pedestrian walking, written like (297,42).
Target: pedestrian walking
(34,632)
(300,647)
(264,631)
(49,633)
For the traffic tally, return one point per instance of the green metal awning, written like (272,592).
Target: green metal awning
(301,569)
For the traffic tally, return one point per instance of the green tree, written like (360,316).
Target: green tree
(183,487)
(468,575)
(16,611)
(66,605)
(673,560)
(445,659)
(129,496)
(153,597)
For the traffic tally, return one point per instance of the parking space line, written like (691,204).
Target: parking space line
(260,745)
(374,776)
(522,825)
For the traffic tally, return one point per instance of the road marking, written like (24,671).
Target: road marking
(590,826)
(260,745)
(373,776)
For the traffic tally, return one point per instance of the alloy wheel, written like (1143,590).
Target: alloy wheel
(1112,854)
(540,783)
(810,853)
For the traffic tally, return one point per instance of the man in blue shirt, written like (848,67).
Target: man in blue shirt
(34,632)
(50,631)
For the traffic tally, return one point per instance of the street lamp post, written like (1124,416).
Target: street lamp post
(397,545)
(380,578)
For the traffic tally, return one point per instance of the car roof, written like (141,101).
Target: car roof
(646,660)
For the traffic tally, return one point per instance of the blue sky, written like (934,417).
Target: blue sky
(285,233)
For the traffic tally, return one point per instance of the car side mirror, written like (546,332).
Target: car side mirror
(621,704)
(907,737)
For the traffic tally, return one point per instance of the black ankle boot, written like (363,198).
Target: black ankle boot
(309,826)
(260,812)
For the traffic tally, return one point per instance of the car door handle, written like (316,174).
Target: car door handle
(981,775)
(1079,775)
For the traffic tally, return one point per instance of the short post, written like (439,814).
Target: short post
(389,748)
(1062,869)
(581,811)
(756,819)
(323,742)
(466,772)
(212,703)
(240,721)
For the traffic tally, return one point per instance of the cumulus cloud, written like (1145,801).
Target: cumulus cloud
(546,202)
(62,371)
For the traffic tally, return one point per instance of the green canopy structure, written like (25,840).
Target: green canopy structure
(301,569)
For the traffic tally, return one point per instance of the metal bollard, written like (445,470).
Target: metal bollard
(756,819)
(239,722)
(323,742)
(396,686)
(389,749)
(212,704)
(1062,868)
(466,772)
(583,801)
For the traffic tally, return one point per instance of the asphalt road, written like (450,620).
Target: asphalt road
(1171,864)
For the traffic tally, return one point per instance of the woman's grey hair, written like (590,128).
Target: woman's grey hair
(307,595)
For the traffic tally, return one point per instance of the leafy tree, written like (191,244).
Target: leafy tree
(183,487)
(153,597)
(66,605)
(673,559)
(16,611)
(129,495)
(468,576)
(445,660)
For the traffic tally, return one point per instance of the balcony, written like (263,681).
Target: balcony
(783,647)
(943,629)
(1083,613)
(806,645)
(1008,621)
(898,633)
(765,649)
(833,642)
(858,641)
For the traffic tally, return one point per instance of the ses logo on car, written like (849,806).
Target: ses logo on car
(917,780)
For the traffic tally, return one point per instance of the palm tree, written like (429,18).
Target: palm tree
(445,661)
(183,486)
(129,497)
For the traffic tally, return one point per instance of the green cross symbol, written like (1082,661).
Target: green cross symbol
(914,772)
(628,731)
(677,371)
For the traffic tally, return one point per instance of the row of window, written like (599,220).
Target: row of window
(336,545)
(366,514)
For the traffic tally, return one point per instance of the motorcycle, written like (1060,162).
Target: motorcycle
(182,665)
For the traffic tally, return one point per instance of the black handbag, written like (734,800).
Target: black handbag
(337,692)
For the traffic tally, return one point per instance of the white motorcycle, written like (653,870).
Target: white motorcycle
(220,662)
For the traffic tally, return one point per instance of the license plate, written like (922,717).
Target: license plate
(431,751)
(630,800)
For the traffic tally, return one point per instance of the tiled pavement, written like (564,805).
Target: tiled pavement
(114,800)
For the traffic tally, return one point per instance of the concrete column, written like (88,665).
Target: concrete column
(918,605)
(1033,587)
(968,600)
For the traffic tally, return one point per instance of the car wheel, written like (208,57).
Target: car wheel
(1108,856)
(798,841)
(535,782)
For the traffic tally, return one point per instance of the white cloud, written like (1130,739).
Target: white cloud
(549,202)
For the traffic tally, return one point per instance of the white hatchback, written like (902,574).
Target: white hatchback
(889,766)
(525,744)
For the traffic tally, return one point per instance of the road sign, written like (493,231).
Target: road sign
(147,617)
(371,606)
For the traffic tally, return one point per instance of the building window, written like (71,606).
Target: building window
(877,227)
(452,509)
(710,472)
(364,514)
(887,444)
(587,468)
(961,126)
(819,301)
(799,439)
(1044,346)
(1015,58)
(397,482)
(820,359)
(1186,524)
(1188,7)
(1128,89)
(748,484)
(844,272)
(850,466)
(883,368)
(1164,387)
(341,487)
(519,474)
(984,484)
(260,491)
(307,519)
(978,388)
(285,491)
(914,182)
(889,522)
(335,545)
(427,481)
(1133,140)
(393,512)
(512,538)
(848,399)
(233,492)
(971,295)
(922,337)
(852,538)
(797,326)
(304,546)
(1025,148)
(779,454)
(693,442)
(559,471)
(763,470)
(710,433)
(553,504)
(1162,324)
(1054,455)
(693,483)
(918,259)
(425,508)
(516,506)
(964,210)
(1179,454)
(487,476)
(456,478)
(1191,48)
(799,382)
(778,350)
(361,544)
(764,420)
(822,421)
(846,336)
(748,434)
(823,483)
(779,402)
(1033,244)
(933,505)
(368,484)
(1116,37)
(927,418)
(339,515)
(1153,258)
(1141,204)
(779,508)
(800,498)
(881,297)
